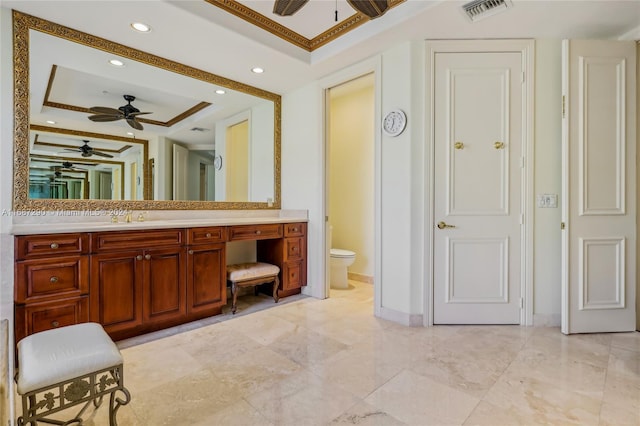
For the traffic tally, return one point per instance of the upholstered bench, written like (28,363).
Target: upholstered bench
(67,366)
(251,274)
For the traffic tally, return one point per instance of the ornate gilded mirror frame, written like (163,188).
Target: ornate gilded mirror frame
(22,24)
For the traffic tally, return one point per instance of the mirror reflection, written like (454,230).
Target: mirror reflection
(103,126)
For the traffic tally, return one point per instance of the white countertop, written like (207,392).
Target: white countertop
(154,220)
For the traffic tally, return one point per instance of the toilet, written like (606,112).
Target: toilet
(340,260)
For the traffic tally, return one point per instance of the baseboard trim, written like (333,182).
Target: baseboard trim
(546,320)
(403,318)
(360,277)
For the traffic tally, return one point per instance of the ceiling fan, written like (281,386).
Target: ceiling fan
(372,8)
(126,112)
(86,151)
(67,165)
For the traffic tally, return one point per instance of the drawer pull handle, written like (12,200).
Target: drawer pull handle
(53,280)
(208,235)
(258,232)
(295,249)
(147,256)
(139,257)
(190,251)
(55,324)
(295,229)
(54,245)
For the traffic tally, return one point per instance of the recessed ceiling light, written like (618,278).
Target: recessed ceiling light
(141,27)
(130,133)
(51,122)
(220,92)
(116,62)
(257,70)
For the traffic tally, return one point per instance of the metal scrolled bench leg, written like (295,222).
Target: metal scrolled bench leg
(65,367)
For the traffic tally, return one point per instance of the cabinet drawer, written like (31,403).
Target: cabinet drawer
(292,275)
(294,248)
(217,234)
(49,278)
(37,317)
(33,246)
(126,240)
(298,229)
(255,232)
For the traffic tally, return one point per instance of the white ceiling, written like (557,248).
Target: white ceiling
(201,35)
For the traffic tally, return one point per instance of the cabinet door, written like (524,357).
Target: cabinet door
(164,285)
(206,278)
(116,290)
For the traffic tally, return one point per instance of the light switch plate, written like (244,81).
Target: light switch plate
(547,201)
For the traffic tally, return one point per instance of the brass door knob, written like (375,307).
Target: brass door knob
(139,257)
(443,225)
(190,251)
(54,245)
(53,280)
(458,145)
(498,145)
(208,235)
(147,256)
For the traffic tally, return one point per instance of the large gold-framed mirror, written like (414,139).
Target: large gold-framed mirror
(200,141)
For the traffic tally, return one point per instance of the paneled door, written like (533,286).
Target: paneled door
(599,183)
(478,138)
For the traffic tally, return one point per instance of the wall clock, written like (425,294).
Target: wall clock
(217,162)
(394,122)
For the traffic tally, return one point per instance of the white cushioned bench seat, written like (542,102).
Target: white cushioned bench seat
(252,274)
(63,353)
(247,271)
(68,366)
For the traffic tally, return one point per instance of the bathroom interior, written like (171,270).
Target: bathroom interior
(350,171)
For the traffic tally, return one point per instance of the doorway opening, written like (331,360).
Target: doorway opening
(350,186)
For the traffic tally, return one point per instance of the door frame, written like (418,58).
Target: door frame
(527,49)
(370,66)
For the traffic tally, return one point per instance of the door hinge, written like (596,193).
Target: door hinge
(521,219)
(564,106)
(562,226)
(521,303)
(522,77)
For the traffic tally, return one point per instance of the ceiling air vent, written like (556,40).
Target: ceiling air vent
(480,9)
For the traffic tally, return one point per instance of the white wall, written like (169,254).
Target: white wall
(404,186)
(351,171)
(6,178)
(547,180)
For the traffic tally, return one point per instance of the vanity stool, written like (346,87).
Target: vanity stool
(252,274)
(67,366)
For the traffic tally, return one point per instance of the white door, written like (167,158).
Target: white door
(478,137)
(599,186)
(180,170)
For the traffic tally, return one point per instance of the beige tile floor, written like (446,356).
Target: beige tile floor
(321,362)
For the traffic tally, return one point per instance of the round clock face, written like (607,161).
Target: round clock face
(394,122)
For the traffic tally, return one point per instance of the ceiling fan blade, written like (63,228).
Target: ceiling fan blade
(101,154)
(287,7)
(133,123)
(371,8)
(105,110)
(135,114)
(72,150)
(104,117)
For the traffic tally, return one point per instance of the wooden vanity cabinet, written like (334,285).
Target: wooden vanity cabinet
(290,254)
(141,288)
(51,282)
(206,272)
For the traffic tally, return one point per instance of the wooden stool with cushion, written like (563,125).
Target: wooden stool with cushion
(67,366)
(252,274)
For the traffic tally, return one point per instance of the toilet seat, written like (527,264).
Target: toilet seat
(334,252)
